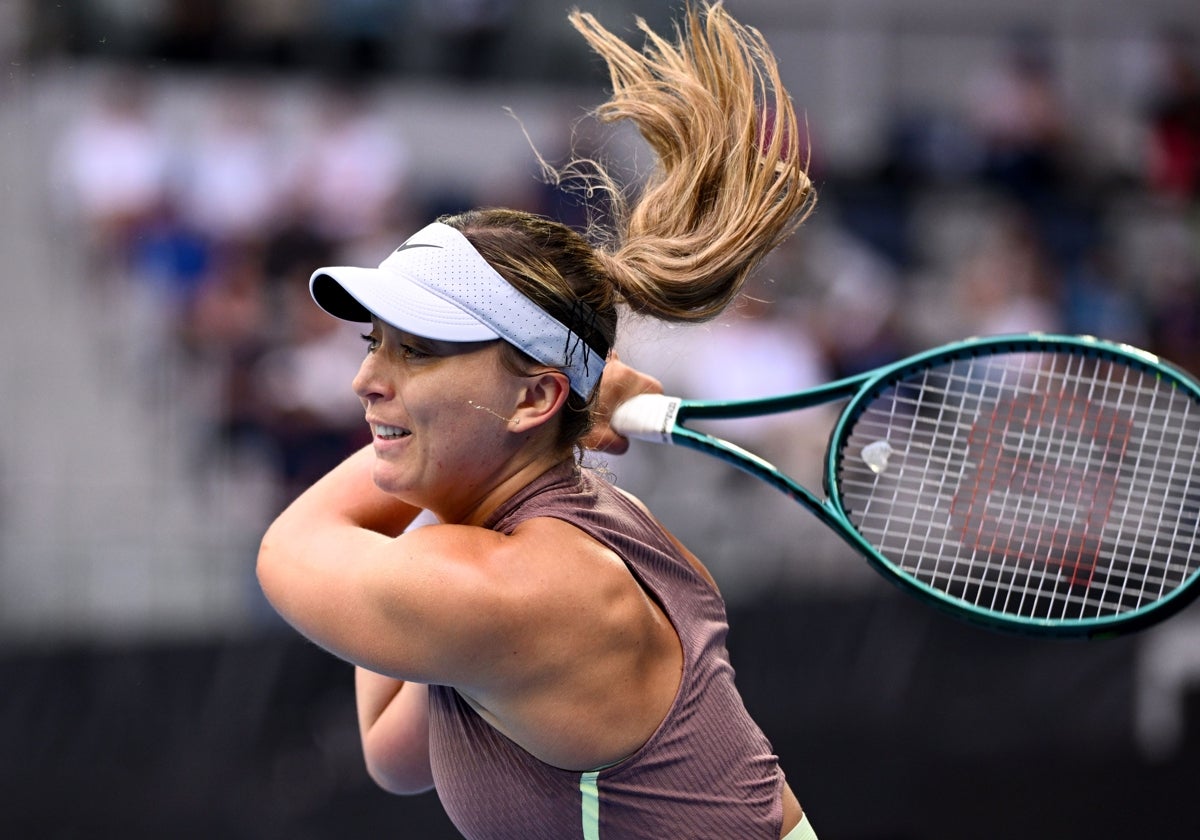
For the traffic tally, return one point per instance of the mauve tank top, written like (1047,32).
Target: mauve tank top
(706,772)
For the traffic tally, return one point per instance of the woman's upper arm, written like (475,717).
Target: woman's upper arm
(425,606)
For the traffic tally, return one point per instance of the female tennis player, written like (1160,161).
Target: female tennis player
(546,655)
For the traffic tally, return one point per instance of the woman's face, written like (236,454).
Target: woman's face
(439,414)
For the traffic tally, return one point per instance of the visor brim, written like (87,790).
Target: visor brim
(356,294)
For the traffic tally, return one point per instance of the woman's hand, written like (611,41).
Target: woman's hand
(618,384)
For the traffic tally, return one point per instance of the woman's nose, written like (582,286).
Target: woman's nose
(367,383)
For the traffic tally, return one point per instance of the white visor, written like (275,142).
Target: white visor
(436,285)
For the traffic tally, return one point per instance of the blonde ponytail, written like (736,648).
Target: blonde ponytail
(731,181)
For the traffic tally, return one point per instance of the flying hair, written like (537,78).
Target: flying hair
(731,180)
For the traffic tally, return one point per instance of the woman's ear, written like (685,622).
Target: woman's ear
(542,396)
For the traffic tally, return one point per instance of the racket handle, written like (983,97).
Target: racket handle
(646,417)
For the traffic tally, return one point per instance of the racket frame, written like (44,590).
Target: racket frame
(661,419)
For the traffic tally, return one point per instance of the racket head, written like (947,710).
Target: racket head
(1042,484)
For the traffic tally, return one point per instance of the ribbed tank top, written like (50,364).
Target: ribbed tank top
(706,772)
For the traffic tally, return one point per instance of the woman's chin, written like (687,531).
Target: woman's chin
(388,479)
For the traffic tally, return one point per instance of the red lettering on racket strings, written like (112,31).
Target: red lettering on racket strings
(1044,482)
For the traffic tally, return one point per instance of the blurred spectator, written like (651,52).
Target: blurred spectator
(1019,116)
(1167,274)
(232,185)
(1095,301)
(1175,323)
(857,306)
(110,170)
(225,331)
(1174,124)
(171,257)
(1006,284)
(309,412)
(292,248)
(351,168)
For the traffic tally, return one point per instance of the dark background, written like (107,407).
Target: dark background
(892,722)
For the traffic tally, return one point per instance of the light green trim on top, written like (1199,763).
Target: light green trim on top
(802,831)
(590,805)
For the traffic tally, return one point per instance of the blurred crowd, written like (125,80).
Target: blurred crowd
(200,227)
(989,218)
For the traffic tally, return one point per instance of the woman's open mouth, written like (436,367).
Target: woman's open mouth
(385,432)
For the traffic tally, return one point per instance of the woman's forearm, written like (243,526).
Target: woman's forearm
(303,554)
(349,494)
(372,694)
(393,719)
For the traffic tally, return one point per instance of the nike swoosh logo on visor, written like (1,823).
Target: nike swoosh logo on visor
(418,245)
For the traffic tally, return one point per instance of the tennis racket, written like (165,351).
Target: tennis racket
(1039,483)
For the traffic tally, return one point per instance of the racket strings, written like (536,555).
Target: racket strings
(1031,484)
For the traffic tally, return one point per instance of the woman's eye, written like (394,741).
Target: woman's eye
(405,351)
